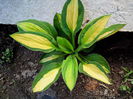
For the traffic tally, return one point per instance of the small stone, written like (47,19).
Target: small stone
(33,76)
(105,92)
(17,76)
(121,72)
(113,90)
(30,89)
(31,64)
(55,83)
(4,87)
(0,75)
(11,83)
(28,73)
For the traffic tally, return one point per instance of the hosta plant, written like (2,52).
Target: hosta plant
(63,44)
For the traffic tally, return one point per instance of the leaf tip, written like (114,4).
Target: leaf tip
(70,87)
(35,90)
(109,15)
(109,82)
(123,25)
(11,35)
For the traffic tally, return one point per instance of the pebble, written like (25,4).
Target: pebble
(28,73)
(121,72)
(31,64)
(17,76)
(105,92)
(0,75)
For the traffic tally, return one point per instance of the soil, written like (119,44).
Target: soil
(16,77)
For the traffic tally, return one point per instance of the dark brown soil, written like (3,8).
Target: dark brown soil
(16,77)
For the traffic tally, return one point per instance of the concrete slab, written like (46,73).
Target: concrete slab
(12,11)
(121,10)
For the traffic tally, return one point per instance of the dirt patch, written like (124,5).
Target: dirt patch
(16,77)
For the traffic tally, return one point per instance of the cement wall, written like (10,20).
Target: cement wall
(12,11)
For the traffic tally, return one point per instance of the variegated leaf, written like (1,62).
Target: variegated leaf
(65,45)
(70,71)
(92,30)
(57,25)
(94,70)
(110,31)
(52,57)
(99,59)
(46,77)
(33,25)
(72,16)
(34,41)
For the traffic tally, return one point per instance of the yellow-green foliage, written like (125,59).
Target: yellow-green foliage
(62,52)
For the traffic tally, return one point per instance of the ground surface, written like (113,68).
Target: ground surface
(16,77)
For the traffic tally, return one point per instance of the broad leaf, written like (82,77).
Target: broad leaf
(34,41)
(85,29)
(110,31)
(99,59)
(65,45)
(32,25)
(52,57)
(70,71)
(72,16)
(92,30)
(94,70)
(46,77)
(57,25)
